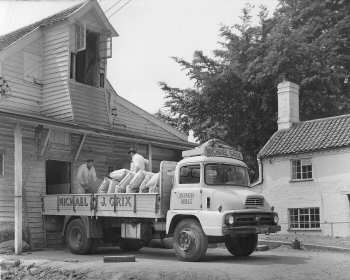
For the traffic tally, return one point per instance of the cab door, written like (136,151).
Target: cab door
(187,193)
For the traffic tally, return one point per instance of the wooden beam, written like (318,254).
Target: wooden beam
(80,147)
(18,188)
(46,142)
(150,157)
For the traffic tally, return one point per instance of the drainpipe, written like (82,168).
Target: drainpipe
(261,176)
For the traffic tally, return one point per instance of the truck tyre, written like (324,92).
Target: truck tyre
(190,242)
(241,245)
(76,238)
(129,245)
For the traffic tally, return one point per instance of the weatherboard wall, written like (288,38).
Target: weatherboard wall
(23,95)
(56,101)
(33,184)
(89,105)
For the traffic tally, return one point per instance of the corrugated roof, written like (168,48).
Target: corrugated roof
(309,136)
(9,38)
(133,119)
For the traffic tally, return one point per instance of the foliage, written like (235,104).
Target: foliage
(235,99)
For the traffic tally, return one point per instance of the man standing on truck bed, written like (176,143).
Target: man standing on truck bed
(138,162)
(86,177)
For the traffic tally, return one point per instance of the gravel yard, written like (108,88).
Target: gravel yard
(280,263)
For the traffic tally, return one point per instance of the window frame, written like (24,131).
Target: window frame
(190,165)
(305,219)
(80,37)
(294,174)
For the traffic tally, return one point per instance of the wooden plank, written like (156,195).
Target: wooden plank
(80,147)
(18,189)
(113,259)
(46,142)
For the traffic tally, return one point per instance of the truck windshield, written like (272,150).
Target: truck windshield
(226,174)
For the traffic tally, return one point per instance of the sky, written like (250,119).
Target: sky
(150,33)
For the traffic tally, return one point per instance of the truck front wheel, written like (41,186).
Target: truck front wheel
(241,245)
(76,238)
(190,242)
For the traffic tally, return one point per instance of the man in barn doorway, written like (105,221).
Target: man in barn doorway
(138,162)
(86,177)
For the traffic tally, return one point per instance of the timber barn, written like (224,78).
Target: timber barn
(57,109)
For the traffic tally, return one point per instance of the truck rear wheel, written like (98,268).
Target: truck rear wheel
(76,238)
(129,245)
(190,242)
(241,245)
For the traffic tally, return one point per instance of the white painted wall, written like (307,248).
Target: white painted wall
(328,190)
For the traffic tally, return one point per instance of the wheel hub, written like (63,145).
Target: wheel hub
(76,237)
(186,240)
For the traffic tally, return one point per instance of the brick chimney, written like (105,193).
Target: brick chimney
(288,104)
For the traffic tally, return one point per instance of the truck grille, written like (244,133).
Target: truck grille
(253,201)
(250,219)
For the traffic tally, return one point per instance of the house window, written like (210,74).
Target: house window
(2,163)
(190,174)
(304,218)
(301,169)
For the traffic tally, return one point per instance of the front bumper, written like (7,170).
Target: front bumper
(234,230)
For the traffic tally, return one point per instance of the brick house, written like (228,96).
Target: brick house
(305,169)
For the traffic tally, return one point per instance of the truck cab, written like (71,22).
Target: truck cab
(212,191)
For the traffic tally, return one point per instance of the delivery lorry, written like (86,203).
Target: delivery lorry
(204,198)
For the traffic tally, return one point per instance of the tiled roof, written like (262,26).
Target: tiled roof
(309,136)
(8,39)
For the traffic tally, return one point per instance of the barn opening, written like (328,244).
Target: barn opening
(58,177)
(84,63)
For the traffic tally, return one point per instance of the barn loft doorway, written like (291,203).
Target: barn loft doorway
(58,177)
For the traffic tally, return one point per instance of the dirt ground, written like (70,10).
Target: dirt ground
(279,263)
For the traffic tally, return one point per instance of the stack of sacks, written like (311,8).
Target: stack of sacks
(118,174)
(121,188)
(125,181)
(103,188)
(148,176)
(134,185)
(153,184)
(112,186)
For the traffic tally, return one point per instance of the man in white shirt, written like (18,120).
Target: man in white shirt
(138,162)
(86,177)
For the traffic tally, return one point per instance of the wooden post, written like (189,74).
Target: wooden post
(18,189)
(150,157)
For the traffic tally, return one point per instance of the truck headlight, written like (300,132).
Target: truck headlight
(230,220)
(275,218)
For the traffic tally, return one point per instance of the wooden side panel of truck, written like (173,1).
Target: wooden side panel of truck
(122,205)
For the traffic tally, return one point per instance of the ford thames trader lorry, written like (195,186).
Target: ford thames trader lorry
(204,198)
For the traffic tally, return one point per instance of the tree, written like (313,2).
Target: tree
(234,98)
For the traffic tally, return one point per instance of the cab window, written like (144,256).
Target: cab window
(190,174)
(226,174)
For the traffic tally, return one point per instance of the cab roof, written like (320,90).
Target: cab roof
(206,159)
